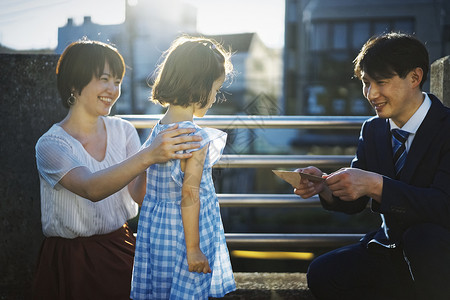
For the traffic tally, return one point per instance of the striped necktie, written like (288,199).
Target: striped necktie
(399,138)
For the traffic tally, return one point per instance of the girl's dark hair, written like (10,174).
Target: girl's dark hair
(190,67)
(81,61)
(392,54)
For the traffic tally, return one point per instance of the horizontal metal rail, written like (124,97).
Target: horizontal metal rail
(282,161)
(293,240)
(269,241)
(266,200)
(252,122)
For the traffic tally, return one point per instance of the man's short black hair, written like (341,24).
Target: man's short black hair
(392,54)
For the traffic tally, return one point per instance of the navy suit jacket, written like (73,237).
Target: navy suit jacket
(422,193)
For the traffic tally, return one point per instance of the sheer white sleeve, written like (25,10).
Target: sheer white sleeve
(54,158)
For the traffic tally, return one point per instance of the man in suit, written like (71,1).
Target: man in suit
(402,166)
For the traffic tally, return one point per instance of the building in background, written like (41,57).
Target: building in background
(322,37)
(148,29)
(147,32)
(255,87)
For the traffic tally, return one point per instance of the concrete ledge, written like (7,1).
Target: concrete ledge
(274,286)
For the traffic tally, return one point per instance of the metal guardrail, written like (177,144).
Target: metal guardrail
(283,161)
(266,200)
(263,240)
(252,122)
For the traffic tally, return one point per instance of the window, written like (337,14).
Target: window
(380,27)
(361,31)
(291,30)
(291,15)
(405,26)
(353,34)
(319,36)
(333,45)
(340,36)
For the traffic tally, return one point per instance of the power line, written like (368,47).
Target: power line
(14,8)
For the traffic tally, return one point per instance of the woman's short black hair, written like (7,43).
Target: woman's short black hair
(81,61)
(392,54)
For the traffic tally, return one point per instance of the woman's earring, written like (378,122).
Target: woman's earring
(71,100)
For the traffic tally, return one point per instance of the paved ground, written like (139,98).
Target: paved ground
(273,286)
(250,286)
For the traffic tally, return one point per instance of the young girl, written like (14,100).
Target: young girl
(181,251)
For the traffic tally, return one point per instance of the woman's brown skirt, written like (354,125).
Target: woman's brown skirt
(97,267)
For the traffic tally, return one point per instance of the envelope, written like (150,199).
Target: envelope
(293,178)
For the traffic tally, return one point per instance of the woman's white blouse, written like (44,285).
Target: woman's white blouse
(66,214)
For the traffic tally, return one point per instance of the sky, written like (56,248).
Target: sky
(33,24)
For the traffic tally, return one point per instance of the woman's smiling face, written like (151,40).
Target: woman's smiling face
(101,93)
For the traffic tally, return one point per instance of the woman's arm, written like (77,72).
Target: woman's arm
(190,209)
(99,185)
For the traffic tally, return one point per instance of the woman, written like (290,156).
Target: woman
(92,178)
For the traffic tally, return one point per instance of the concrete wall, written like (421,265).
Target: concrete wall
(440,79)
(29,104)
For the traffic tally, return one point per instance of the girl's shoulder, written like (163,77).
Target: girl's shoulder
(182,124)
(212,138)
(206,133)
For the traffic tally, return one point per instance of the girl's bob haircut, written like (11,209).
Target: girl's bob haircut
(188,71)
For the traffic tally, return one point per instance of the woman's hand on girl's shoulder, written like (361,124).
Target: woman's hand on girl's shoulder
(170,143)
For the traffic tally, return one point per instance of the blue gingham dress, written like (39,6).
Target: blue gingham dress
(160,265)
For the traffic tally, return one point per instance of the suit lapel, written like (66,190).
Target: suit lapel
(423,138)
